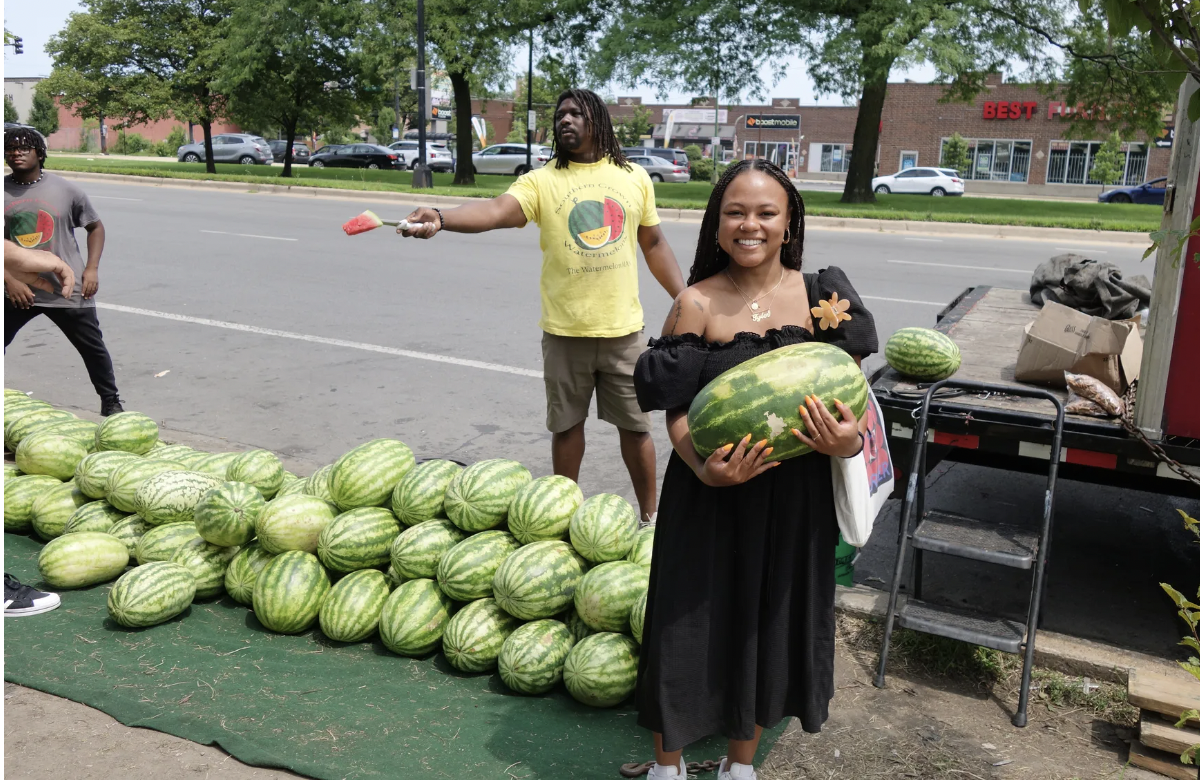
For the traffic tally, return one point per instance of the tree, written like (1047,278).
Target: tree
(10,111)
(1109,163)
(956,154)
(552,77)
(631,129)
(385,120)
(43,115)
(693,152)
(289,63)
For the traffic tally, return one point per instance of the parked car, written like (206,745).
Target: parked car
(920,181)
(1151,192)
(437,157)
(509,158)
(230,147)
(661,169)
(371,156)
(677,156)
(300,152)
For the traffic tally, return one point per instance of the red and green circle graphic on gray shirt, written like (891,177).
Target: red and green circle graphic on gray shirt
(595,224)
(31,229)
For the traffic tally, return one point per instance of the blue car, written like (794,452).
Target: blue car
(1151,193)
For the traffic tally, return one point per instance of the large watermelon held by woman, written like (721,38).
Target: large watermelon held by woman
(466,572)
(603,528)
(607,593)
(351,610)
(151,594)
(762,397)
(289,592)
(542,509)
(532,658)
(414,618)
(421,495)
(921,353)
(601,670)
(416,552)
(359,539)
(368,474)
(479,497)
(127,432)
(475,634)
(226,514)
(538,580)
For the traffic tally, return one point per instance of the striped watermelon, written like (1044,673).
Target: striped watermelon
(82,559)
(414,618)
(171,497)
(394,578)
(190,460)
(643,546)
(479,496)
(130,530)
(11,471)
(226,514)
(603,528)
(293,523)
(91,475)
(570,618)
(367,474)
(417,552)
(421,494)
(19,428)
(243,572)
(151,594)
(601,670)
(50,454)
(259,468)
(475,634)
(172,452)
(532,658)
(53,508)
(82,431)
(292,487)
(607,593)
(538,580)
(465,573)
(921,353)
(207,563)
(318,484)
(637,617)
(15,408)
(161,542)
(19,495)
(359,539)
(126,478)
(214,465)
(289,592)
(127,432)
(542,509)
(94,516)
(352,609)
(763,396)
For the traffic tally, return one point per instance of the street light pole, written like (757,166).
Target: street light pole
(529,109)
(422,178)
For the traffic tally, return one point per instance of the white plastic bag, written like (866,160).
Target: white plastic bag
(862,484)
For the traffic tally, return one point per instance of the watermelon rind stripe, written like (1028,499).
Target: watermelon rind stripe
(414,618)
(289,592)
(151,594)
(359,539)
(474,636)
(479,497)
(466,572)
(351,610)
(243,571)
(532,658)
(82,559)
(538,580)
(421,495)
(601,670)
(606,594)
(416,552)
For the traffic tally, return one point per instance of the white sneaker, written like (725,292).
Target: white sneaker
(660,772)
(648,520)
(735,771)
(22,600)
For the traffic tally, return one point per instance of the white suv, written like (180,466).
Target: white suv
(438,158)
(920,181)
(509,158)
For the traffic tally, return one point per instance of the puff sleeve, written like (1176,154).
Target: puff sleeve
(667,375)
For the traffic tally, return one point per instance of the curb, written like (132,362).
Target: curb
(1057,652)
(956,229)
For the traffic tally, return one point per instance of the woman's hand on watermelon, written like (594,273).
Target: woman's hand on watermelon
(91,282)
(826,434)
(734,464)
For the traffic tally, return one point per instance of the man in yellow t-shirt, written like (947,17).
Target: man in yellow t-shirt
(590,204)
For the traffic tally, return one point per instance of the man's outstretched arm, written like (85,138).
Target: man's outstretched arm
(500,212)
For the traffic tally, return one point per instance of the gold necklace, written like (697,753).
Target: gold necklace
(752,304)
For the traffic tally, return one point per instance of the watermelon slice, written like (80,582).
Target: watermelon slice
(614,217)
(362,223)
(31,229)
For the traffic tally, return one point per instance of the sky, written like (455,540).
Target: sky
(35,22)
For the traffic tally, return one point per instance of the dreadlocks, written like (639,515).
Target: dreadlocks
(599,122)
(711,259)
(26,136)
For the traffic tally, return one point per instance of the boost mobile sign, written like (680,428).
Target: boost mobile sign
(773,121)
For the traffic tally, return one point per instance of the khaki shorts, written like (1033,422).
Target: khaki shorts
(575,366)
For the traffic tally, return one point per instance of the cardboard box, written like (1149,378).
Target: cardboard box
(1063,339)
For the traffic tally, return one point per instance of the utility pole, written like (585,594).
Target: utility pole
(529,117)
(422,178)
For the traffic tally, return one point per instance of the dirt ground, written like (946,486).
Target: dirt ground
(944,715)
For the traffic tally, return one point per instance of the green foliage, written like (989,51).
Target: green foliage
(43,115)
(517,134)
(693,152)
(702,169)
(131,143)
(630,129)
(1109,163)
(1189,612)
(167,148)
(10,111)
(956,154)
(551,78)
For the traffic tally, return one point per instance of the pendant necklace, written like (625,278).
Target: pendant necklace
(752,304)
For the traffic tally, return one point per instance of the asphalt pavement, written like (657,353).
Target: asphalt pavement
(252,317)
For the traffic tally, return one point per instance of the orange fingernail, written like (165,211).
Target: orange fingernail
(768,451)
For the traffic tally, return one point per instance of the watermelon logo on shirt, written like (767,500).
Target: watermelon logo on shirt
(31,229)
(594,224)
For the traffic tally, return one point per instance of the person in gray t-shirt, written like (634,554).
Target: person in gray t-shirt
(42,211)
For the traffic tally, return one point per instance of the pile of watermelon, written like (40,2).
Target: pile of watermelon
(497,570)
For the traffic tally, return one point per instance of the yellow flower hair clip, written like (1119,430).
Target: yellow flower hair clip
(831,312)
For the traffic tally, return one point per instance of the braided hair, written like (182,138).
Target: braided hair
(27,136)
(599,122)
(711,259)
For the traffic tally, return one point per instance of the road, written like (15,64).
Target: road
(254,318)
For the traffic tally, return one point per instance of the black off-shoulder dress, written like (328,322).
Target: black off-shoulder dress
(739,627)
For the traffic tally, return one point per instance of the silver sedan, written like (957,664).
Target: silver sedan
(661,169)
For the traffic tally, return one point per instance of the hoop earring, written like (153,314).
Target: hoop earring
(787,235)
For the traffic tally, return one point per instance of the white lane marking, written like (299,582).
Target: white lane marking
(111,197)
(1083,251)
(900,300)
(930,240)
(968,267)
(247,235)
(286,334)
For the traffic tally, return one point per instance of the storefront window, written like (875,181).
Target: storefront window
(994,159)
(1071,163)
(835,158)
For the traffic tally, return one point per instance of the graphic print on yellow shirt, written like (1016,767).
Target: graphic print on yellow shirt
(589,214)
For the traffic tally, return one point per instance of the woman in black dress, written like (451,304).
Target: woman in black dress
(739,626)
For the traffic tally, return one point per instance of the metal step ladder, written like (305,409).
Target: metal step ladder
(998,544)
